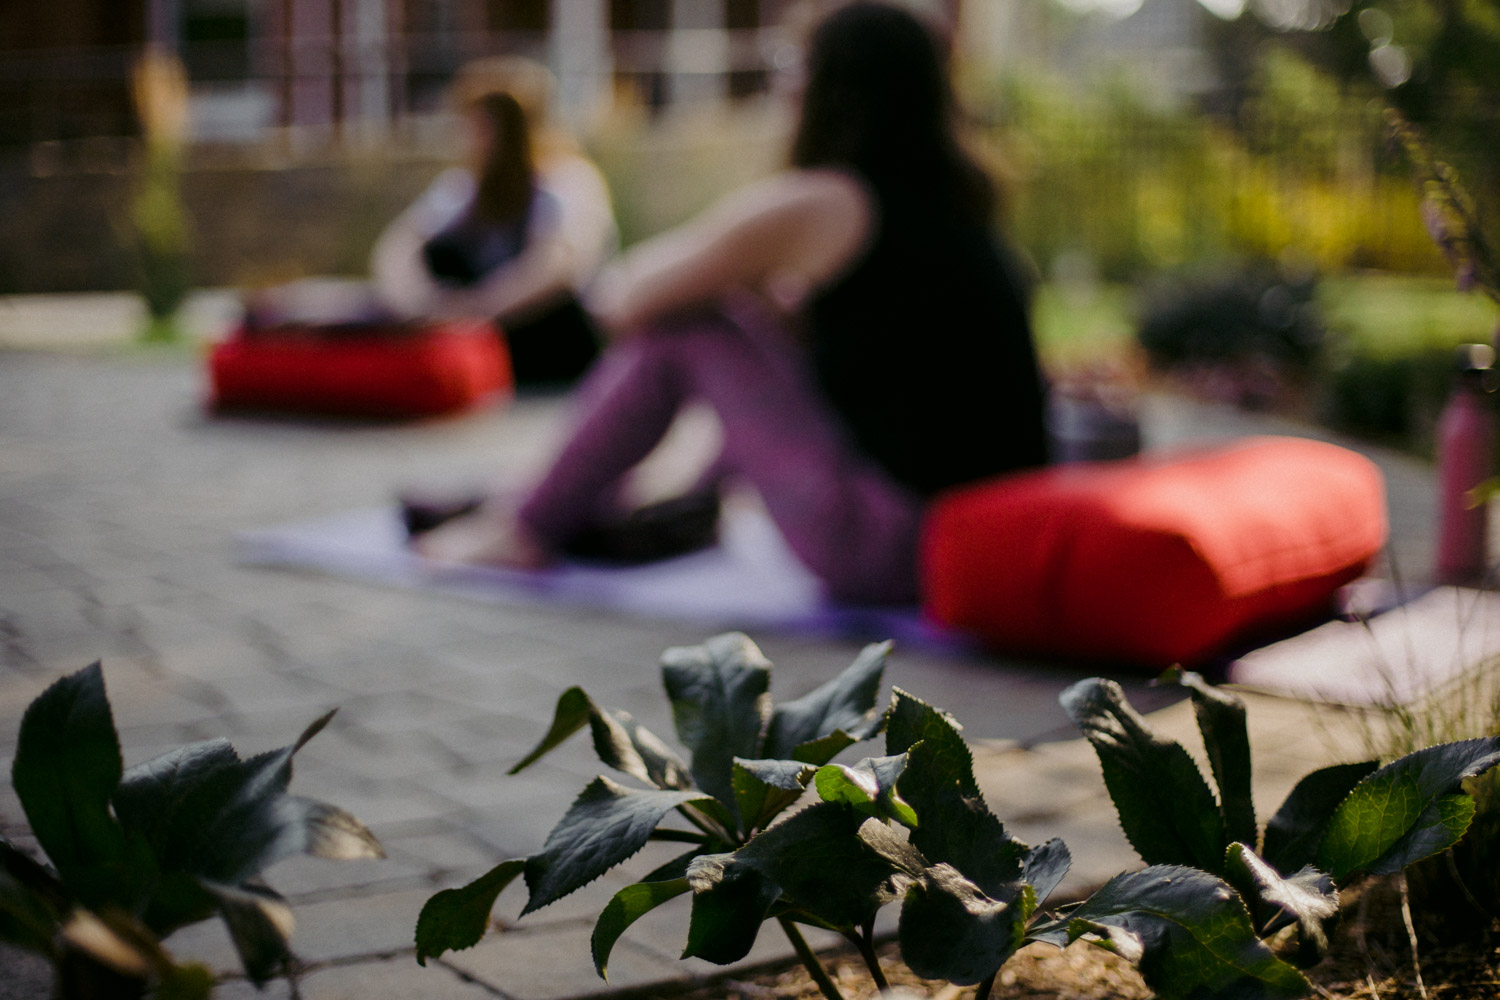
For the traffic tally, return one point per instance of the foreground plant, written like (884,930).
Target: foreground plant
(831,865)
(136,854)
(1212,877)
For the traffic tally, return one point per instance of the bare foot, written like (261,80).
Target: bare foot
(491,536)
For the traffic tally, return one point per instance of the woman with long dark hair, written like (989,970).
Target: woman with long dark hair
(852,321)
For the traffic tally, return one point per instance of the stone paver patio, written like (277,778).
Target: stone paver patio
(119,502)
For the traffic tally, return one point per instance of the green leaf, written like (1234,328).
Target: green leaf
(1186,931)
(730,901)
(721,705)
(1166,809)
(572,714)
(629,905)
(951,930)
(956,826)
(455,919)
(1307,898)
(260,924)
(631,748)
(151,796)
(207,813)
(1045,867)
(820,751)
(27,918)
(763,788)
(619,740)
(606,824)
(1293,834)
(1406,811)
(66,766)
(845,704)
(832,863)
(869,787)
(1221,721)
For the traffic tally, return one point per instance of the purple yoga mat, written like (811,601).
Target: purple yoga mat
(750,580)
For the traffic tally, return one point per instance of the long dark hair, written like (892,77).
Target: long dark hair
(878,101)
(506,176)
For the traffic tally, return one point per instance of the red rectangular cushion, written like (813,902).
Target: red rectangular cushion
(380,372)
(1155,560)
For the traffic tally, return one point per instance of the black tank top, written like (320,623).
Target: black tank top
(925,348)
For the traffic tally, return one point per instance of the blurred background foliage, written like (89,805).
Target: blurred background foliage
(1254,236)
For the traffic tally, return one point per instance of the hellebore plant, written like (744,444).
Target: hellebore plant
(138,853)
(912,827)
(1204,853)
(831,865)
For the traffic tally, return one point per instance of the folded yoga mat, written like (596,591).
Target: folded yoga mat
(1396,658)
(750,580)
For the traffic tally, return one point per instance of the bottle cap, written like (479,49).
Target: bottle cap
(1475,364)
(1475,357)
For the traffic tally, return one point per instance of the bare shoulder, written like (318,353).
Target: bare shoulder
(824,193)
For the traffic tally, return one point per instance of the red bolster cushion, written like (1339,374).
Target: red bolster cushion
(1155,560)
(387,373)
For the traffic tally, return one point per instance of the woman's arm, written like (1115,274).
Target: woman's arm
(400,276)
(571,234)
(794,231)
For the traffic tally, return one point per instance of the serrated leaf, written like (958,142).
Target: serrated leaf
(1440,826)
(455,919)
(763,788)
(1406,811)
(730,901)
(832,863)
(956,825)
(1221,721)
(629,905)
(1307,898)
(1166,809)
(1292,835)
(209,814)
(1045,867)
(846,704)
(151,796)
(820,751)
(572,714)
(869,787)
(1187,932)
(637,751)
(67,764)
(606,824)
(721,705)
(619,741)
(951,930)
(260,925)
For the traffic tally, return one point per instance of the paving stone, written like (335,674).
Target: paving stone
(398,978)
(554,962)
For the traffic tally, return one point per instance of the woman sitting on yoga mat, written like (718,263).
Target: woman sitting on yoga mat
(513,235)
(852,320)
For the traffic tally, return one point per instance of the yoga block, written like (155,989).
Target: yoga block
(1154,560)
(379,372)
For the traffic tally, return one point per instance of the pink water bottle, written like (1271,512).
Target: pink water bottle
(1466,456)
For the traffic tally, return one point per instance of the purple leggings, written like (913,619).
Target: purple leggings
(843,516)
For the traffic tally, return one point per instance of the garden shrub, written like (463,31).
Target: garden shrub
(139,852)
(1220,911)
